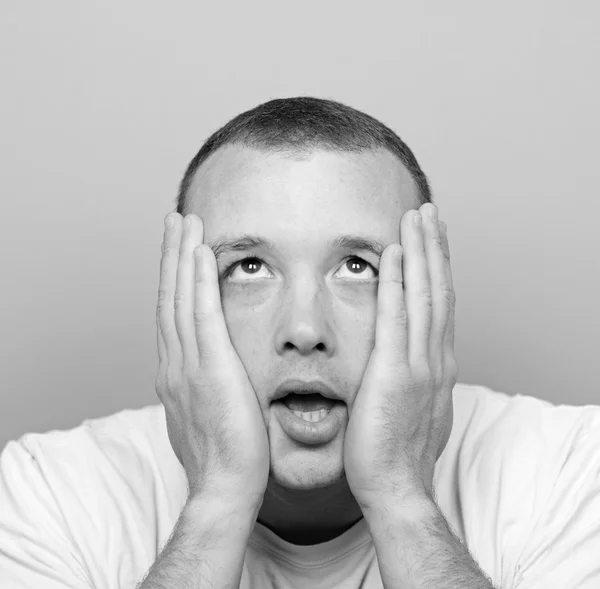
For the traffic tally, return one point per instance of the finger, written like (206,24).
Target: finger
(449,332)
(440,292)
(160,342)
(160,339)
(166,291)
(391,324)
(193,234)
(211,334)
(446,252)
(418,291)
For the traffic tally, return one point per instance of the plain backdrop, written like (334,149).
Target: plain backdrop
(104,104)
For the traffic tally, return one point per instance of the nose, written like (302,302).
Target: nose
(304,322)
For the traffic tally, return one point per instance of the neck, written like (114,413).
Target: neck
(309,516)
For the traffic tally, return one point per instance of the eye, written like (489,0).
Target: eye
(356,269)
(249,267)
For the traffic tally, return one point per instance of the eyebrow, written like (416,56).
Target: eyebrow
(222,246)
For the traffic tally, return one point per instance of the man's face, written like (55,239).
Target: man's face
(302,310)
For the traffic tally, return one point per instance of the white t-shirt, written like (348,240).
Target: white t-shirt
(519,484)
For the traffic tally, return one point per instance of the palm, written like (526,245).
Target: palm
(368,431)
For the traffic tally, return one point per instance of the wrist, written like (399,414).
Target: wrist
(225,499)
(221,513)
(400,518)
(207,546)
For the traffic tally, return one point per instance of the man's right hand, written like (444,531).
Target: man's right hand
(214,420)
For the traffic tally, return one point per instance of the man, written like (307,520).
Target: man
(311,432)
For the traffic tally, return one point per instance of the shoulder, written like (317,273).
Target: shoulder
(102,468)
(518,439)
(123,438)
(493,424)
(108,490)
(510,458)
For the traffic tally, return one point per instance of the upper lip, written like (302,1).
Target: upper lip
(305,387)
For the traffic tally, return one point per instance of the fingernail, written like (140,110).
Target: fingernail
(418,219)
(433,214)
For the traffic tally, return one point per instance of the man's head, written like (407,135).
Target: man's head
(298,126)
(299,173)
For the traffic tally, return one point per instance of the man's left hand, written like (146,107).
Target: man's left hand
(401,418)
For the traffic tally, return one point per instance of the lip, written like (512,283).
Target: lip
(295,385)
(307,432)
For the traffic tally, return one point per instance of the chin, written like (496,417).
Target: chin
(304,470)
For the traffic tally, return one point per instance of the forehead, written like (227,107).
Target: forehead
(243,190)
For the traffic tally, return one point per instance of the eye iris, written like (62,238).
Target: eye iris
(250,262)
(354,261)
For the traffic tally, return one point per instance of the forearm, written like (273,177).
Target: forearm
(206,548)
(417,550)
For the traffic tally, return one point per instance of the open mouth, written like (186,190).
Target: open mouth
(309,418)
(312,407)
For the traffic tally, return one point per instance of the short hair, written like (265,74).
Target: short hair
(300,125)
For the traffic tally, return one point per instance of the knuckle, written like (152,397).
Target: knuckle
(437,240)
(179,300)
(421,371)
(451,369)
(448,295)
(204,381)
(168,249)
(162,299)
(450,365)
(396,351)
(207,352)
(160,384)
(159,381)
(395,279)
(401,317)
(201,317)
(191,370)
(398,318)
(194,376)
(425,294)
(172,379)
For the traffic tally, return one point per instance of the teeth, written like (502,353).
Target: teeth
(312,415)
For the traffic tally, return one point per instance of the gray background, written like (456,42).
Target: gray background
(104,104)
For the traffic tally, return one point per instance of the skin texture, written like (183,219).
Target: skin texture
(302,311)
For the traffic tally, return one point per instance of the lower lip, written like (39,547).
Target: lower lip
(311,432)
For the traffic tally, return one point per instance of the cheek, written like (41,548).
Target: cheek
(355,312)
(357,306)
(245,318)
(247,331)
